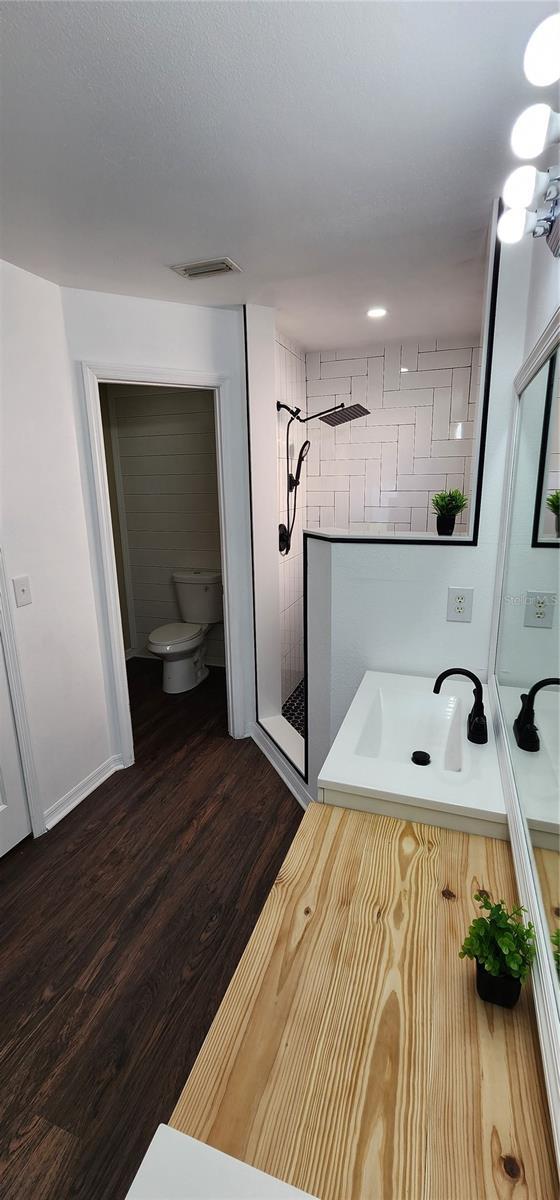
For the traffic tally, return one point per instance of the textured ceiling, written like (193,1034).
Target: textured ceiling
(345,154)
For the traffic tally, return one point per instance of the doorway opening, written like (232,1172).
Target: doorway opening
(161,474)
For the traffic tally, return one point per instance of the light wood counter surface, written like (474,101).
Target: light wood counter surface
(548,867)
(351,1056)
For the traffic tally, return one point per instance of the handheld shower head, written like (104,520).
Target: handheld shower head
(294,479)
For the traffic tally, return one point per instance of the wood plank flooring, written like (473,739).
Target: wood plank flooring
(120,931)
(351,1055)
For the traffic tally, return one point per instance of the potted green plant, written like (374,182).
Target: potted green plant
(553,503)
(447,505)
(504,950)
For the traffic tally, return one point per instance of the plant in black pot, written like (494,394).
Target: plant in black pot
(447,506)
(553,503)
(504,950)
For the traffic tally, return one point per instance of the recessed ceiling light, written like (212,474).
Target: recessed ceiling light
(377,312)
(404,370)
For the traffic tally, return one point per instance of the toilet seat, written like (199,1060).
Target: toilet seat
(175,636)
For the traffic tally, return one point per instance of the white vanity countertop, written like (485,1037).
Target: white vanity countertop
(177,1167)
(391,716)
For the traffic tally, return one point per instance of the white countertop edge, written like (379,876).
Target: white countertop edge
(481,814)
(178,1167)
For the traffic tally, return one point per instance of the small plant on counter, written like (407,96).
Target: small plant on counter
(555,939)
(553,503)
(504,950)
(447,506)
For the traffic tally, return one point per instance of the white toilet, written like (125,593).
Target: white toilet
(182,644)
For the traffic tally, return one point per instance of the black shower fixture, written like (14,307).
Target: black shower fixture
(330,416)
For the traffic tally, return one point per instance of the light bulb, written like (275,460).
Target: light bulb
(520,187)
(533,130)
(541,61)
(513,223)
(377,312)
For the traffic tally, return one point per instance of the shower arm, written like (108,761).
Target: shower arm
(295,413)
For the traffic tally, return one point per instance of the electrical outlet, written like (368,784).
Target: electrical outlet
(459,604)
(539,609)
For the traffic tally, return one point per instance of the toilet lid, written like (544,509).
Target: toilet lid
(176,631)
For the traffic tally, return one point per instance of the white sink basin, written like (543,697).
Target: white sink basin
(390,717)
(397,723)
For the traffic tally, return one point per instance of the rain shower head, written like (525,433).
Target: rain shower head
(340,415)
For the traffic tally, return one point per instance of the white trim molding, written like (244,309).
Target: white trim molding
(282,766)
(19,707)
(543,349)
(81,790)
(237,634)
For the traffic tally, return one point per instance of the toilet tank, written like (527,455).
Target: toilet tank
(199,595)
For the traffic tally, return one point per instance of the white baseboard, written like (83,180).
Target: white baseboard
(62,807)
(286,772)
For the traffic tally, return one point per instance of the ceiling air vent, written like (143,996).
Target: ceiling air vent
(201,270)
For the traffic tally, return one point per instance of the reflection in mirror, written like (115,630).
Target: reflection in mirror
(546,524)
(528,643)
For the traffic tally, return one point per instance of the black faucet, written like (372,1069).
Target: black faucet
(477,730)
(524,728)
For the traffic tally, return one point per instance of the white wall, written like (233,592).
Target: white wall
(289,377)
(379,473)
(165,454)
(44,536)
(46,528)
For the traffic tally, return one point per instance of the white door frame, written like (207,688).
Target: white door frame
(17,696)
(105,567)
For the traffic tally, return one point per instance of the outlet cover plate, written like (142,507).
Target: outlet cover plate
(539,609)
(22,590)
(459,604)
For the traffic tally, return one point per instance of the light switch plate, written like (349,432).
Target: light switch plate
(539,609)
(22,590)
(459,604)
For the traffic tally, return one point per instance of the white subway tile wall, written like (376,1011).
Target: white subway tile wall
(379,473)
(290,389)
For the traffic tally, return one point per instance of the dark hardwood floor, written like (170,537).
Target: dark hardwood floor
(120,932)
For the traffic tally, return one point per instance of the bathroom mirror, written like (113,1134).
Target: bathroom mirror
(528,647)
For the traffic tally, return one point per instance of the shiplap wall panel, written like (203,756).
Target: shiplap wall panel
(167,425)
(191,502)
(167,452)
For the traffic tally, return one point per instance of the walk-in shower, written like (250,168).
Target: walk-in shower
(338,415)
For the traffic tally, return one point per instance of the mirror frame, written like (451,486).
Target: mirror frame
(546,987)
